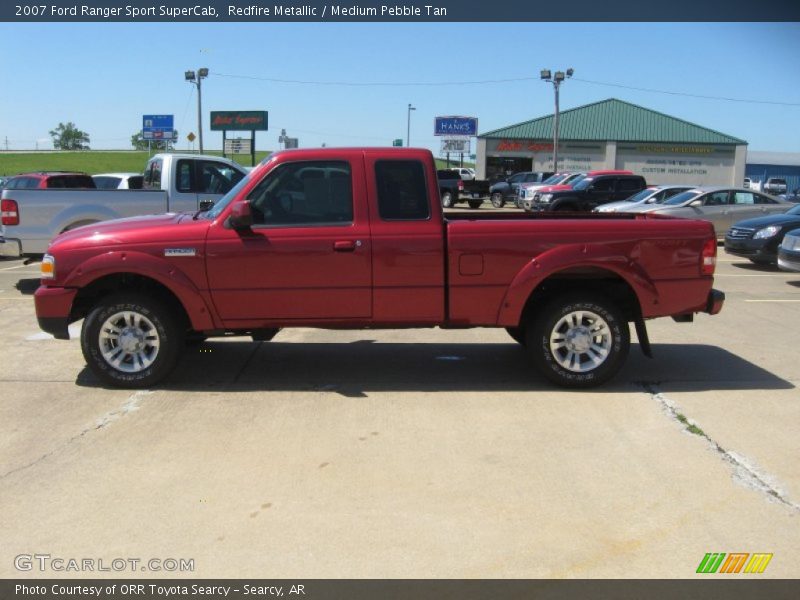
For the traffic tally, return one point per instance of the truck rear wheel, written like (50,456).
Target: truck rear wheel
(579,340)
(131,340)
(447,200)
(497,200)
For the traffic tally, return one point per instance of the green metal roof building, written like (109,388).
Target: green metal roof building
(613,134)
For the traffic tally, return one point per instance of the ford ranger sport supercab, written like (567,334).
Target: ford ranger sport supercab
(355,238)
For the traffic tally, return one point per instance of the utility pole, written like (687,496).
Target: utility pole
(197,80)
(556,80)
(408,125)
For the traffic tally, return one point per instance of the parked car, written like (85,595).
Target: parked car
(465,173)
(3,181)
(789,251)
(598,187)
(775,186)
(453,189)
(369,250)
(507,189)
(172,183)
(793,197)
(758,239)
(721,205)
(654,194)
(119,181)
(50,180)
(559,181)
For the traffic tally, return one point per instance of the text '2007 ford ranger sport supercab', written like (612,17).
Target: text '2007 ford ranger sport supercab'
(356,238)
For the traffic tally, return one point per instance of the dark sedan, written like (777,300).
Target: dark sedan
(758,239)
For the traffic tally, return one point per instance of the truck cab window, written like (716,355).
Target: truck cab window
(402,194)
(304,193)
(152,176)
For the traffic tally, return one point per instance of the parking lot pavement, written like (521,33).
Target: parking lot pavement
(411,453)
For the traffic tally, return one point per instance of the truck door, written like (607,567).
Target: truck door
(198,180)
(308,253)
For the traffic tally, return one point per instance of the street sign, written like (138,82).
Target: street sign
(238,146)
(158,127)
(239,120)
(397,142)
(455,145)
(191,137)
(453,126)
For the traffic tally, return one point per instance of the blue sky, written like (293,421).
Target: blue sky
(104,76)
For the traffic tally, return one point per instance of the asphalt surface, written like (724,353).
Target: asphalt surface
(416,453)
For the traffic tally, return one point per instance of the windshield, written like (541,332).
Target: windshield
(555,179)
(582,184)
(643,195)
(682,197)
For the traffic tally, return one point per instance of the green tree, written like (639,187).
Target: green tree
(69,137)
(139,143)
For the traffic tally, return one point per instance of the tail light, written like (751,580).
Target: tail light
(709,257)
(10,212)
(460,185)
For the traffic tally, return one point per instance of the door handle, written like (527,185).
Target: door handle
(346,245)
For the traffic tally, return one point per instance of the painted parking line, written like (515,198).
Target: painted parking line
(775,300)
(16,267)
(29,298)
(754,274)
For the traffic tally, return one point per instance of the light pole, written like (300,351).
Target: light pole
(196,80)
(556,81)
(408,126)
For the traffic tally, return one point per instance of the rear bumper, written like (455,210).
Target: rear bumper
(715,301)
(53,308)
(10,248)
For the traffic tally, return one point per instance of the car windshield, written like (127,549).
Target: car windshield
(682,197)
(582,184)
(555,179)
(643,195)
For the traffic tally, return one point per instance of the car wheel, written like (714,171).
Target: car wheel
(579,341)
(475,203)
(517,334)
(447,200)
(497,200)
(131,340)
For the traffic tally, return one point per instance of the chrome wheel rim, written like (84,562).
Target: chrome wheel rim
(581,341)
(129,341)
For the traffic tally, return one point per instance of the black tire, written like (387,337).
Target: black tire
(154,320)
(447,200)
(762,262)
(497,200)
(475,203)
(517,334)
(563,208)
(557,365)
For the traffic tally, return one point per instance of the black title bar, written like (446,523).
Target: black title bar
(436,11)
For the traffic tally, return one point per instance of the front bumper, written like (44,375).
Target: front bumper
(788,260)
(10,248)
(53,309)
(750,248)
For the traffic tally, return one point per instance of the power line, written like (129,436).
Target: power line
(496,81)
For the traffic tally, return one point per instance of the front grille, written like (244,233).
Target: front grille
(740,233)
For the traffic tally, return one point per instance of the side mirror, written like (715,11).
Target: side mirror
(241,216)
(697,202)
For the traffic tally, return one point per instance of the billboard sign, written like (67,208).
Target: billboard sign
(455,145)
(239,120)
(158,127)
(453,126)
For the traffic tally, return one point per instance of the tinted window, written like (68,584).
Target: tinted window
(135,182)
(304,193)
(763,199)
(183,177)
(402,194)
(446,174)
(582,184)
(152,176)
(516,178)
(629,185)
(106,183)
(70,181)
(716,199)
(603,185)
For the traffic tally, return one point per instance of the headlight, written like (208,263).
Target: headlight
(48,267)
(545,198)
(767,232)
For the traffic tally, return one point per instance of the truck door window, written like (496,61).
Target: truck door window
(402,194)
(603,185)
(183,179)
(629,185)
(216,178)
(304,193)
(152,176)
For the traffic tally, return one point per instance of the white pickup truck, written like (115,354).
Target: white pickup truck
(172,183)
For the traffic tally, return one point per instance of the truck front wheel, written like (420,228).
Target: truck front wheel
(497,200)
(131,340)
(579,341)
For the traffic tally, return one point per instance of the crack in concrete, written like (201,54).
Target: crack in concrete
(744,472)
(131,404)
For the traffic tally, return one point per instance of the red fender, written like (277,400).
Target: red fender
(571,256)
(147,265)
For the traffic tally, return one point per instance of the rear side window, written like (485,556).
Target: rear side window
(71,181)
(152,175)
(603,185)
(402,194)
(107,183)
(629,185)
(183,178)
(763,199)
(135,182)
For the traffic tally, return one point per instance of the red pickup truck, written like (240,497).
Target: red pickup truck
(356,238)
